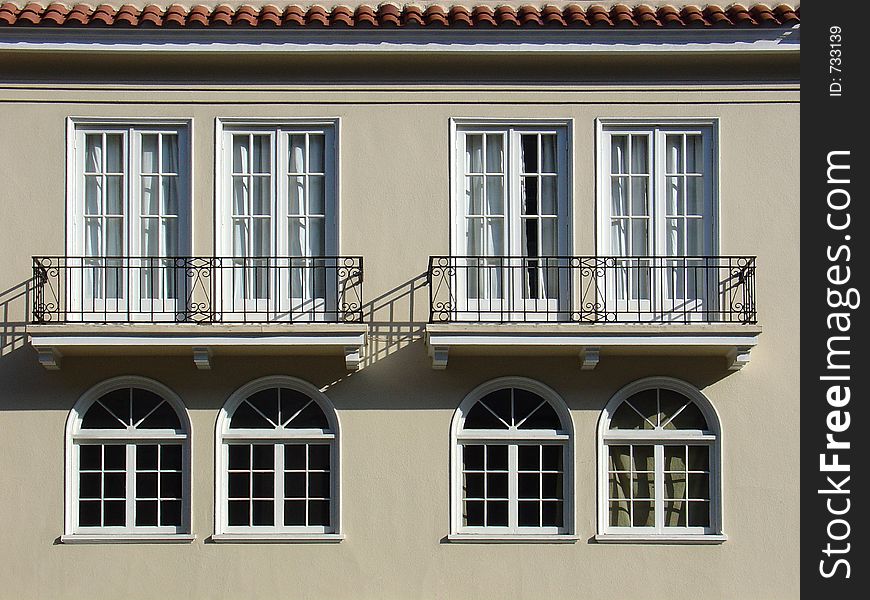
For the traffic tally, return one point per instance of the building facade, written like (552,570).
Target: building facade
(399,301)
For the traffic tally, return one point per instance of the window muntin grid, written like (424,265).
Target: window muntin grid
(129,465)
(512,451)
(280,464)
(661,472)
(130,191)
(280,204)
(510,207)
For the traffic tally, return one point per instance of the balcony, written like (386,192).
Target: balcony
(203,305)
(591,305)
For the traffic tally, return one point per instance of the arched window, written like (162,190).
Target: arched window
(277,462)
(659,459)
(128,461)
(512,462)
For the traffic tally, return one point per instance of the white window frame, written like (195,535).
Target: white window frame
(131,129)
(224,435)
(712,438)
(512,438)
(277,128)
(512,128)
(708,126)
(74,436)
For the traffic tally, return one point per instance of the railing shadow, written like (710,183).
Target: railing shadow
(392,319)
(15,304)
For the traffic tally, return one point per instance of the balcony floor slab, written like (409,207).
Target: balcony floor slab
(202,342)
(592,342)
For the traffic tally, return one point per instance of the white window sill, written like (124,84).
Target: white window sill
(622,538)
(120,538)
(275,538)
(529,538)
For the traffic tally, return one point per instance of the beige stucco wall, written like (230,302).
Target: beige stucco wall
(395,412)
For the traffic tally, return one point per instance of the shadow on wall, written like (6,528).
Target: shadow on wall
(14,311)
(391,319)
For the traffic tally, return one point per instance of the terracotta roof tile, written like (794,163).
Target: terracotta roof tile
(390,15)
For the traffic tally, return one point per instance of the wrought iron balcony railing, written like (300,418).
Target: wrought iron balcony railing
(197,289)
(592,289)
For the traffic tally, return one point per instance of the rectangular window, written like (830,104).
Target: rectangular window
(130,216)
(657,209)
(513,488)
(510,214)
(278,229)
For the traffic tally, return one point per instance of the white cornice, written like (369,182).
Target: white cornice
(476,42)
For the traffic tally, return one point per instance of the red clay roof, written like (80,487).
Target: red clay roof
(391,15)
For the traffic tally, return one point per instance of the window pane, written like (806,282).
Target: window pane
(149,153)
(473,153)
(93,194)
(89,514)
(496,457)
(238,513)
(241,154)
(643,514)
(644,458)
(90,457)
(529,153)
(497,485)
(263,512)
(695,196)
(170,195)
(146,513)
(294,485)
(494,153)
(170,513)
(473,485)
(316,195)
(93,153)
(316,153)
(297,154)
(170,485)
(497,514)
(619,154)
(529,514)
(619,196)
(90,485)
(261,154)
(495,195)
(699,514)
(528,485)
(170,153)
(114,153)
(674,153)
(620,513)
(318,457)
(639,154)
(114,513)
(699,458)
(472,455)
(146,485)
(474,195)
(549,195)
(146,456)
(239,456)
(640,196)
(318,513)
(694,154)
(318,485)
(676,513)
(163,417)
(261,193)
(548,153)
(551,513)
(473,513)
(294,512)
(114,195)
(239,485)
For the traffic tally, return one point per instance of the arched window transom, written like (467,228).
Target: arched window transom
(660,457)
(278,457)
(129,461)
(512,461)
